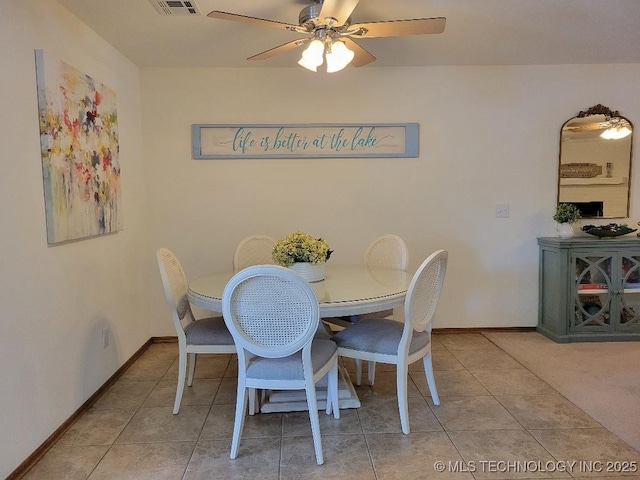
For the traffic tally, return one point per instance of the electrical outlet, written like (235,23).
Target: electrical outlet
(105,337)
(502,210)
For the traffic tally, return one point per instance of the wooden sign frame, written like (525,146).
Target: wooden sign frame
(321,140)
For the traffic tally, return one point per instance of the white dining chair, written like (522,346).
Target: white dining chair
(387,250)
(253,250)
(402,343)
(206,335)
(390,251)
(273,314)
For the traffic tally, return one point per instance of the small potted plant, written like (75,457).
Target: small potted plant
(566,214)
(304,254)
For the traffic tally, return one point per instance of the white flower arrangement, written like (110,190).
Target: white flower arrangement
(300,247)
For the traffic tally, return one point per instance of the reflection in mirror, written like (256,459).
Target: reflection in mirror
(595,163)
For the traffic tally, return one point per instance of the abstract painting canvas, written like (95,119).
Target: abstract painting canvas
(79,146)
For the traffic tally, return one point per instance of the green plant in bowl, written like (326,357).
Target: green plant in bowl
(566,213)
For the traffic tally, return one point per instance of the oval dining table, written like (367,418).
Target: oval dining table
(346,290)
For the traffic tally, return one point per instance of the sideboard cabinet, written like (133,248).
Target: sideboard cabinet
(589,289)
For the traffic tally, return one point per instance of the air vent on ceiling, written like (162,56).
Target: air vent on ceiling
(176,7)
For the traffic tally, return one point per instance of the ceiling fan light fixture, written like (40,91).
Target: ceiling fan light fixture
(312,56)
(338,57)
(327,21)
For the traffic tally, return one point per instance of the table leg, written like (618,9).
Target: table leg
(296,400)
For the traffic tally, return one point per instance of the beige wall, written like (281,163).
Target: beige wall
(56,300)
(488,135)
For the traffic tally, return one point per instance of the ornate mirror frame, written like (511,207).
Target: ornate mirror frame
(594,170)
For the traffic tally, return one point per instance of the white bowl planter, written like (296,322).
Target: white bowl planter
(311,272)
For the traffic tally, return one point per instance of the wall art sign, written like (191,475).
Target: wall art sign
(79,149)
(580,170)
(364,140)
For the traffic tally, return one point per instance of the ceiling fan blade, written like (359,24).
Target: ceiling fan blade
(361,56)
(256,21)
(285,47)
(397,28)
(339,9)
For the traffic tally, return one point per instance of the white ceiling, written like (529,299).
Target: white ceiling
(478,32)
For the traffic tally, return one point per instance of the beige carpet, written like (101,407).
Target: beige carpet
(603,378)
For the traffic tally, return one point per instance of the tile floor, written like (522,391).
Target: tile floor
(496,420)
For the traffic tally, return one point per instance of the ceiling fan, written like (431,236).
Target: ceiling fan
(330,33)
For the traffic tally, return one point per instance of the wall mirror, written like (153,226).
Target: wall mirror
(595,163)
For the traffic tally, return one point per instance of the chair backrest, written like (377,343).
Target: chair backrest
(387,251)
(253,250)
(424,291)
(270,311)
(175,287)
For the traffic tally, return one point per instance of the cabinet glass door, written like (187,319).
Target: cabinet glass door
(630,311)
(593,288)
